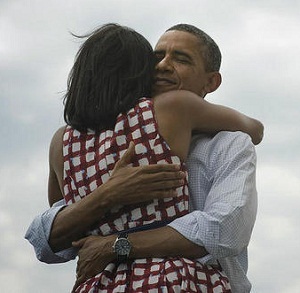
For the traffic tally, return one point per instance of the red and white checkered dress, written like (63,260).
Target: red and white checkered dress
(88,162)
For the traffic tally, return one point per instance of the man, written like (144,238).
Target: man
(221,177)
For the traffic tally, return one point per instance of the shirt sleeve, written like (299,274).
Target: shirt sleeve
(224,223)
(38,235)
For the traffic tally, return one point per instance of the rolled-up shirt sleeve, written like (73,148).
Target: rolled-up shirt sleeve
(223,196)
(38,235)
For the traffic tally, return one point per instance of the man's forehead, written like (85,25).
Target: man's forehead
(178,41)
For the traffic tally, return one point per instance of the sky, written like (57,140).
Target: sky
(260,42)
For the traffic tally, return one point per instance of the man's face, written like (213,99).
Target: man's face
(179,64)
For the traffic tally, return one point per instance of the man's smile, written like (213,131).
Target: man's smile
(163,81)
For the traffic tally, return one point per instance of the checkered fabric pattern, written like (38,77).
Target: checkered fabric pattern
(157,275)
(88,162)
(90,159)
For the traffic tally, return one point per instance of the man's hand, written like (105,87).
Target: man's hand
(130,185)
(95,252)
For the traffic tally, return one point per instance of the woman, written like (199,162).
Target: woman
(107,106)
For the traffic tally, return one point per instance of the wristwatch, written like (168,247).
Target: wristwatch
(122,247)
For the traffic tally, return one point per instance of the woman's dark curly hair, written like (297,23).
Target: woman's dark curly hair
(113,69)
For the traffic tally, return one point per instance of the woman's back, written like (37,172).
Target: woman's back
(89,160)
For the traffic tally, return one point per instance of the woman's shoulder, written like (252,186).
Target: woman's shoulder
(177,98)
(179,102)
(176,95)
(58,135)
(57,142)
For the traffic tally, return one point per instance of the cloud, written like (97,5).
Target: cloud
(259,43)
(273,249)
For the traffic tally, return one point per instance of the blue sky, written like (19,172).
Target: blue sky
(260,43)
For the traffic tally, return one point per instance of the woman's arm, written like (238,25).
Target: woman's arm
(208,117)
(55,188)
(179,112)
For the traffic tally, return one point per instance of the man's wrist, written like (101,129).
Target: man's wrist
(122,247)
(163,242)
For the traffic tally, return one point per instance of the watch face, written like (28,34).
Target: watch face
(122,246)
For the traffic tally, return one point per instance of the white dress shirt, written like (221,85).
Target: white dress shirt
(223,205)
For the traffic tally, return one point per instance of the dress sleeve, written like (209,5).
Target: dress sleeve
(224,224)
(38,234)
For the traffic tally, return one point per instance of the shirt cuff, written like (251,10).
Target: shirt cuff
(192,227)
(38,234)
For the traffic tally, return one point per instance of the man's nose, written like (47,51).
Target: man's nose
(164,64)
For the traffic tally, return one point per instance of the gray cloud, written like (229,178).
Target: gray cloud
(260,77)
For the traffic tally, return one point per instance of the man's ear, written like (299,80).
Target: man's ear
(213,82)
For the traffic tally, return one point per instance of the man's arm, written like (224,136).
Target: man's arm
(222,220)
(38,233)
(225,178)
(95,252)
(222,183)
(57,228)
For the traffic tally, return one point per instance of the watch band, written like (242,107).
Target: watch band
(120,257)
(123,235)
